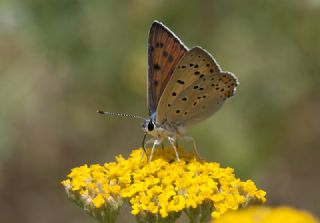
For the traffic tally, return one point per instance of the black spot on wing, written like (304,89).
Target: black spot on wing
(159,45)
(165,53)
(156,66)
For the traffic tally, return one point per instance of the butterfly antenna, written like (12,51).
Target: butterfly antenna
(120,115)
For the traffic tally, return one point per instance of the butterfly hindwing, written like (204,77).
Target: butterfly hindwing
(164,52)
(203,103)
(195,91)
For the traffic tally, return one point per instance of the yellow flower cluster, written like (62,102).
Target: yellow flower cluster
(163,187)
(92,185)
(267,215)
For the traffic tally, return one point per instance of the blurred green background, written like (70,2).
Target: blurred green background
(62,60)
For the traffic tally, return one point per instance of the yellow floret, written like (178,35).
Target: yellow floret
(98,201)
(267,215)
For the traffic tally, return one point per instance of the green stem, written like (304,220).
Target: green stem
(199,214)
(156,218)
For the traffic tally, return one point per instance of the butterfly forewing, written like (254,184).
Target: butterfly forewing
(164,52)
(196,90)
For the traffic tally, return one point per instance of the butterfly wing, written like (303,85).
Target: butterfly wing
(164,52)
(197,89)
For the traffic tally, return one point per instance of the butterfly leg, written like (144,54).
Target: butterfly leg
(173,142)
(156,142)
(188,138)
(144,146)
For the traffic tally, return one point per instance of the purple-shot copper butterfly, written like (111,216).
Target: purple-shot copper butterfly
(185,86)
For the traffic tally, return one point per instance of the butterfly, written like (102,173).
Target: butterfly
(185,86)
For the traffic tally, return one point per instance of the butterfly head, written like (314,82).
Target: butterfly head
(148,126)
(154,129)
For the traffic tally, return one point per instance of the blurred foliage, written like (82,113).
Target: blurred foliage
(61,60)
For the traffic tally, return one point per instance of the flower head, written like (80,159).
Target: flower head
(267,215)
(162,188)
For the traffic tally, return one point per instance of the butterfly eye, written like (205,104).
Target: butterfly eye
(150,126)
